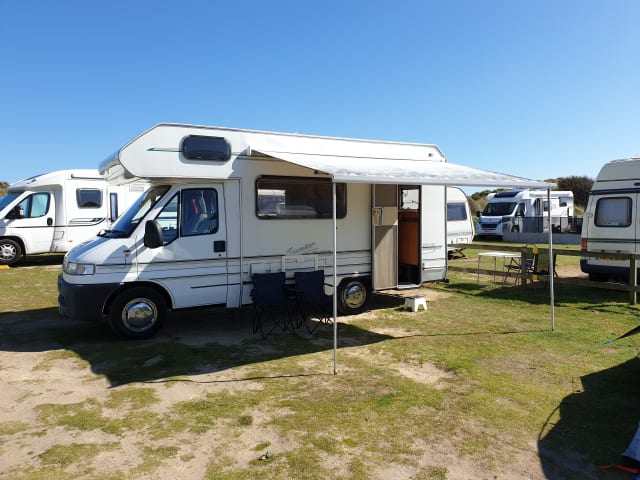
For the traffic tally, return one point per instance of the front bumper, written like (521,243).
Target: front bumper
(83,302)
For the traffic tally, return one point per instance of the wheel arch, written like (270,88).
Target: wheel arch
(126,286)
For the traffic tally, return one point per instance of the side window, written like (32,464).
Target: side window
(199,210)
(297,197)
(456,211)
(89,197)
(36,205)
(168,220)
(613,212)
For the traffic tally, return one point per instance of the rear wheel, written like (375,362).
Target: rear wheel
(10,252)
(137,313)
(598,277)
(353,295)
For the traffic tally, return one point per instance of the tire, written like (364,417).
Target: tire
(598,277)
(515,228)
(10,252)
(137,313)
(353,296)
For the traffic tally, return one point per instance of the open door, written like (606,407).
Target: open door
(409,244)
(385,236)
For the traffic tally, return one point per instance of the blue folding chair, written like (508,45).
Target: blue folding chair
(312,299)
(274,305)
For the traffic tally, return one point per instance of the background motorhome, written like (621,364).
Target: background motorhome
(55,211)
(524,211)
(460,228)
(611,219)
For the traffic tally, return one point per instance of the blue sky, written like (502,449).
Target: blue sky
(539,89)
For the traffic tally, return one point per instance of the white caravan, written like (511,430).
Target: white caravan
(460,229)
(611,220)
(55,211)
(227,203)
(508,211)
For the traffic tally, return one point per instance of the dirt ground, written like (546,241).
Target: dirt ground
(36,371)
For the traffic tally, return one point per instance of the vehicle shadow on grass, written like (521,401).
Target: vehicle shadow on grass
(593,425)
(192,342)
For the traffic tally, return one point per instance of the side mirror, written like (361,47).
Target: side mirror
(478,214)
(15,213)
(152,234)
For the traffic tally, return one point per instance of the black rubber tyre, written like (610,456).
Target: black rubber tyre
(353,296)
(10,252)
(515,228)
(598,277)
(137,313)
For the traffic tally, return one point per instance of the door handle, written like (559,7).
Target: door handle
(219,246)
(49,221)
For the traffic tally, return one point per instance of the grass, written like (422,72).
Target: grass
(479,379)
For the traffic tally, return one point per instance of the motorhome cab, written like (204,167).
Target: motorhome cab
(611,220)
(509,210)
(460,229)
(227,203)
(58,210)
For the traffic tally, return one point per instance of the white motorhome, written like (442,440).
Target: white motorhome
(511,210)
(611,220)
(55,211)
(227,203)
(460,229)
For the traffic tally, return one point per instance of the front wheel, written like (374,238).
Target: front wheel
(353,295)
(10,252)
(137,313)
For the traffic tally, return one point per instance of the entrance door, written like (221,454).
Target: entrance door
(385,236)
(409,244)
(35,220)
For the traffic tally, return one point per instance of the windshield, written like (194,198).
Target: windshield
(498,209)
(7,199)
(129,220)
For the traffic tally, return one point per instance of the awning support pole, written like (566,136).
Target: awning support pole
(335,284)
(551,264)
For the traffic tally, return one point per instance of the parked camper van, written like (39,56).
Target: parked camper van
(514,210)
(460,227)
(226,203)
(611,220)
(58,210)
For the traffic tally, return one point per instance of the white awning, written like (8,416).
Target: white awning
(402,171)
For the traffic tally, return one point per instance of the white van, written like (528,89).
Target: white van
(611,220)
(460,227)
(58,210)
(227,203)
(521,210)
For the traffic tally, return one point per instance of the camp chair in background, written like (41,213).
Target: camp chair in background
(312,299)
(540,271)
(274,306)
(522,267)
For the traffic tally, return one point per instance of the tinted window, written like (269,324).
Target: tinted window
(456,211)
(498,209)
(613,212)
(89,197)
(296,197)
(198,147)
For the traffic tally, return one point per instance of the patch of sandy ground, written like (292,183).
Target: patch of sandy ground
(24,385)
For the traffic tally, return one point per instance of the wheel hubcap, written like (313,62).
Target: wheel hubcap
(139,315)
(7,251)
(354,295)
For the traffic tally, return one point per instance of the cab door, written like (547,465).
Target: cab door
(192,262)
(33,220)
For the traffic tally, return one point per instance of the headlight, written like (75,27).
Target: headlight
(73,268)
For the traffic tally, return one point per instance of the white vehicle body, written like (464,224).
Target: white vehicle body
(506,211)
(611,220)
(460,227)
(266,202)
(55,211)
